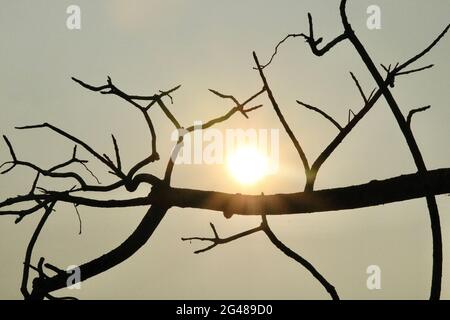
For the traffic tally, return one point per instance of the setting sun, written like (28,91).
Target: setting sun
(247,165)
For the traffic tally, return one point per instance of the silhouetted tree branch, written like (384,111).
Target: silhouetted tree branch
(424,183)
(383,90)
(264,227)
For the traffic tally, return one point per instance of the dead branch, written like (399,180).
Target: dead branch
(409,137)
(216,240)
(361,91)
(283,121)
(321,112)
(305,263)
(30,247)
(414,111)
(163,196)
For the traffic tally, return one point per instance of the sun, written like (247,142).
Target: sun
(247,165)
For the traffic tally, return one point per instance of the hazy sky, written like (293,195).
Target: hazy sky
(146,46)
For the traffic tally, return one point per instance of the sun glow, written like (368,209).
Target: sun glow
(247,165)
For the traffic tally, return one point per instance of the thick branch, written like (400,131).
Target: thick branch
(410,140)
(126,249)
(401,188)
(30,247)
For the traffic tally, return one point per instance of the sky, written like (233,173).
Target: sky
(146,46)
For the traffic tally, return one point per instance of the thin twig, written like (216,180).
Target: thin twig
(283,121)
(292,35)
(414,111)
(321,112)
(305,263)
(361,91)
(216,240)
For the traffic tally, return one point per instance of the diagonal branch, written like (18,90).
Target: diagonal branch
(283,121)
(116,150)
(151,220)
(30,247)
(305,263)
(410,140)
(292,35)
(323,113)
(110,88)
(361,91)
(414,70)
(423,52)
(50,172)
(74,139)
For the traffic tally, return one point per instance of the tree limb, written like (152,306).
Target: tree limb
(305,263)
(323,113)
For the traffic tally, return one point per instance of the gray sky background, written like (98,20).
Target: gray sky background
(146,46)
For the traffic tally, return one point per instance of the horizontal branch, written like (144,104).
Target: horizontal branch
(376,192)
(401,188)
(216,240)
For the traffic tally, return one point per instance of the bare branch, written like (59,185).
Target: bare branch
(286,127)
(33,186)
(50,172)
(313,43)
(13,156)
(74,139)
(162,94)
(323,113)
(238,108)
(424,52)
(25,212)
(79,218)
(414,111)
(305,263)
(216,240)
(350,115)
(116,150)
(414,70)
(361,91)
(156,98)
(292,35)
(133,243)
(30,247)
(371,94)
(90,87)
(401,188)
(168,114)
(410,140)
